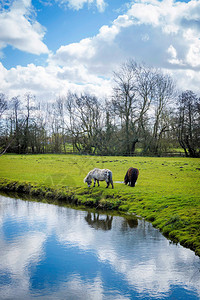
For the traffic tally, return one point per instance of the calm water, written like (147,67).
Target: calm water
(51,252)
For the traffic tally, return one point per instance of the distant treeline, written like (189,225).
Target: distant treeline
(145,112)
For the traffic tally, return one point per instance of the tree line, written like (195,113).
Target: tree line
(145,113)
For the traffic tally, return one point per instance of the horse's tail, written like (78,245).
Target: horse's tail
(110,180)
(109,174)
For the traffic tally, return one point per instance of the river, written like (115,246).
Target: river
(54,252)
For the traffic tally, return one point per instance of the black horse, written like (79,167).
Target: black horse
(131,176)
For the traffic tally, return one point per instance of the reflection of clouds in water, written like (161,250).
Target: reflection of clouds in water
(87,290)
(72,229)
(90,290)
(16,256)
(160,271)
(148,264)
(143,277)
(154,274)
(19,252)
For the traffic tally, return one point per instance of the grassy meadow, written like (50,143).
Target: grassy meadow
(167,192)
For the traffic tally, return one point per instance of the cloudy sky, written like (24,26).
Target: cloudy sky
(48,47)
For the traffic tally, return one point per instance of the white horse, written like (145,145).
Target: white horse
(99,175)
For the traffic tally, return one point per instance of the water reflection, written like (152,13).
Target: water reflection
(97,222)
(129,222)
(104,222)
(59,253)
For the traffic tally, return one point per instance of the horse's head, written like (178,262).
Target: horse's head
(126,179)
(88,180)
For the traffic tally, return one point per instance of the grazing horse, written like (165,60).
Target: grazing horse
(99,175)
(131,176)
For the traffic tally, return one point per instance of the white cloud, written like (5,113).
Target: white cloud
(173,53)
(99,54)
(84,49)
(79,4)
(101,5)
(170,43)
(193,56)
(50,82)
(174,21)
(155,22)
(163,34)
(186,79)
(18,31)
(145,14)
(106,34)
(171,50)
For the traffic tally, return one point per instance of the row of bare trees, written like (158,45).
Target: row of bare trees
(188,123)
(143,113)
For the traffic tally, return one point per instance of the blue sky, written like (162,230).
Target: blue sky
(63,26)
(48,47)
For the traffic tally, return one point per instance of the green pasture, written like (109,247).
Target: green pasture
(167,192)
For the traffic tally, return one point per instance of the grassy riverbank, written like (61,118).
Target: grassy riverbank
(167,192)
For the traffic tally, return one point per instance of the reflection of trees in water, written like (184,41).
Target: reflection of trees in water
(129,223)
(97,221)
(93,219)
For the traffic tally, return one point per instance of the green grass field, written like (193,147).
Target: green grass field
(167,192)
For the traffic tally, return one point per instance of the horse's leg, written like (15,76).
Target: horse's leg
(132,183)
(98,182)
(107,184)
(94,182)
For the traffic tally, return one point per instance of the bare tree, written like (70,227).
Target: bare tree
(85,122)
(163,95)
(189,123)
(146,83)
(28,120)
(133,93)
(57,125)
(4,139)
(71,120)
(16,106)
(124,101)
(14,135)
(3,104)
